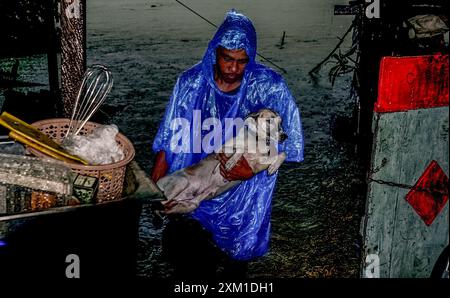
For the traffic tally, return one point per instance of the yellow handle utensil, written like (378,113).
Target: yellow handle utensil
(29,135)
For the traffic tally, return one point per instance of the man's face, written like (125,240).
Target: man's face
(231,64)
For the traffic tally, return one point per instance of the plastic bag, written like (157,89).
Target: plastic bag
(98,148)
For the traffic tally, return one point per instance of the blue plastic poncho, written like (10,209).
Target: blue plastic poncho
(239,219)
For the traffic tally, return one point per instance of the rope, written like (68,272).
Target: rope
(431,190)
(215,26)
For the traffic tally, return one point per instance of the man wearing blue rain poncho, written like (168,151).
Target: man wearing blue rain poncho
(228,83)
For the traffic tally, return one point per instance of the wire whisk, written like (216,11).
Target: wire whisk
(97,83)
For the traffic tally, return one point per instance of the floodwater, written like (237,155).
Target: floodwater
(147,44)
(317,203)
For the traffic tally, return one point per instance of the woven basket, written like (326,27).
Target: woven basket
(111,176)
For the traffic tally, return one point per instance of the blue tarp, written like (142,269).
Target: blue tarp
(240,218)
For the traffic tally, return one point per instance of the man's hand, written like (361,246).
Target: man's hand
(160,168)
(241,171)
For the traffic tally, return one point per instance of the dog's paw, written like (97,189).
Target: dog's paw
(168,204)
(181,207)
(230,164)
(273,168)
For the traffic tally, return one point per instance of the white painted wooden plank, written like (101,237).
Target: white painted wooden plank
(404,145)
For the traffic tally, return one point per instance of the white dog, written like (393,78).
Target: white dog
(185,189)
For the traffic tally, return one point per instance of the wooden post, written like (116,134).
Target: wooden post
(53,55)
(73,48)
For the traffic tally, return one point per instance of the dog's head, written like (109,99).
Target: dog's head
(266,124)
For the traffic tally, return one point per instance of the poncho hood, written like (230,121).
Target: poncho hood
(236,32)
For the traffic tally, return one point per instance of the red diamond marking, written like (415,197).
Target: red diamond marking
(430,194)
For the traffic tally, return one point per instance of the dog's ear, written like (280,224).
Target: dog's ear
(276,115)
(281,130)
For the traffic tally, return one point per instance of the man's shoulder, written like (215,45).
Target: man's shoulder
(262,73)
(191,75)
(266,77)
